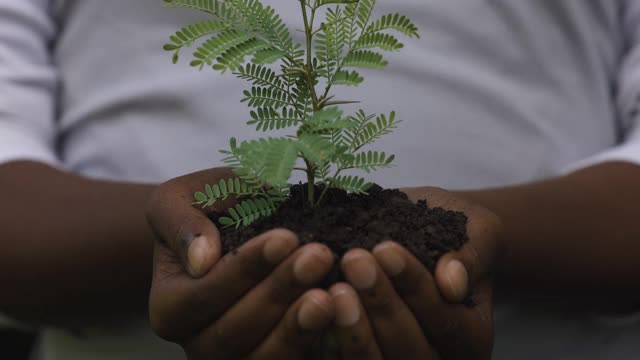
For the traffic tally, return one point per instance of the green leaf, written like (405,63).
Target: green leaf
(260,96)
(225,221)
(325,121)
(267,118)
(280,159)
(248,211)
(349,78)
(327,2)
(316,148)
(365,59)
(368,161)
(209,190)
(367,132)
(234,214)
(396,22)
(189,34)
(352,184)
(378,40)
(200,197)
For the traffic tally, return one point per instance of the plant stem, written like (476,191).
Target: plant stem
(308,30)
(311,182)
(308,76)
(326,188)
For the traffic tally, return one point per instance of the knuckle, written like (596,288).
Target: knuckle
(250,266)
(282,288)
(379,302)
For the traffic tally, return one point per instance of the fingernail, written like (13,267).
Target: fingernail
(315,313)
(458,279)
(198,256)
(360,270)
(347,308)
(390,260)
(312,265)
(278,248)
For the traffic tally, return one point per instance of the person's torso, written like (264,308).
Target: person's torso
(494,92)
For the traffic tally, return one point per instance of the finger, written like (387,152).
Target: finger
(303,323)
(182,227)
(245,325)
(459,272)
(352,329)
(180,306)
(471,327)
(397,331)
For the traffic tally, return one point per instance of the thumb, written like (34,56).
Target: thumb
(459,273)
(183,229)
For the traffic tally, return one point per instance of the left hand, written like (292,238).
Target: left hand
(393,308)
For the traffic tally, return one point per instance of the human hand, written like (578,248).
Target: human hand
(255,303)
(393,308)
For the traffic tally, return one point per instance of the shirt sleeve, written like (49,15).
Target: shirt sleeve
(627,94)
(28,81)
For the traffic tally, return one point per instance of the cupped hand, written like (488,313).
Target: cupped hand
(392,307)
(257,302)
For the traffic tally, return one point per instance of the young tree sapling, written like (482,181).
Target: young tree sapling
(245,38)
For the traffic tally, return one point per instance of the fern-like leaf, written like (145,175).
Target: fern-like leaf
(223,190)
(234,58)
(364,59)
(248,211)
(396,22)
(280,159)
(363,13)
(267,56)
(349,78)
(320,3)
(381,41)
(324,122)
(267,118)
(317,149)
(373,131)
(214,47)
(352,184)
(330,43)
(261,96)
(368,161)
(249,16)
(191,33)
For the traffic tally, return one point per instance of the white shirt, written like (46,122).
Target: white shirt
(495,92)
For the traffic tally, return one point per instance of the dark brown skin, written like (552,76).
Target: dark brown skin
(424,310)
(73,251)
(544,225)
(255,303)
(574,236)
(407,313)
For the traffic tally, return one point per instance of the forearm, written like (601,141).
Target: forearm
(572,235)
(74,251)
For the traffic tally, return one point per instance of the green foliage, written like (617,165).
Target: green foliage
(233,187)
(354,184)
(290,89)
(248,211)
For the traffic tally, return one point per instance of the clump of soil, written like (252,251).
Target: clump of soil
(347,221)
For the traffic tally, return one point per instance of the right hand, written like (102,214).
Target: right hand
(256,303)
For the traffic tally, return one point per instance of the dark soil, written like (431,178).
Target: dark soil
(347,221)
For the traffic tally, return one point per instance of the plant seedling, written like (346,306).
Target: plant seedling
(291,90)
